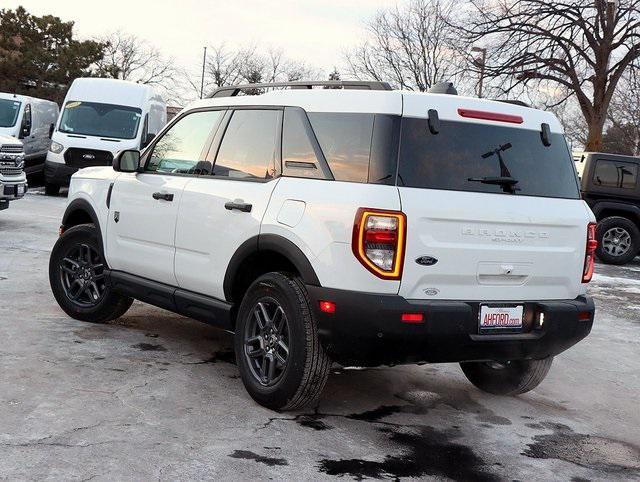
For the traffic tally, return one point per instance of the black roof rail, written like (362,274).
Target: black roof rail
(234,90)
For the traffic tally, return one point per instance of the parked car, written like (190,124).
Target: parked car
(362,226)
(101,117)
(13,181)
(32,121)
(610,187)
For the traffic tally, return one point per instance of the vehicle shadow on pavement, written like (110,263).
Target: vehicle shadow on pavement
(422,421)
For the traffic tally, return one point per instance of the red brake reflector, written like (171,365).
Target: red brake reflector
(492,116)
(328,307)
(412,318)
(584,316)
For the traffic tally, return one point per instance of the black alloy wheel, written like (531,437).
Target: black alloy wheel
(82,275)
(266,341)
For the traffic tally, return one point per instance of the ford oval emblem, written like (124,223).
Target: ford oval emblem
(88,157)
(426,260)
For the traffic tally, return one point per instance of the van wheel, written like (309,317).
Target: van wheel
(51,189)
(507,378)
(77,277)
(281,360)
(618,240)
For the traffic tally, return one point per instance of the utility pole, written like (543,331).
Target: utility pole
(204,63)
(480,63)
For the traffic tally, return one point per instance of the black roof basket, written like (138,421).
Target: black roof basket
(233,90)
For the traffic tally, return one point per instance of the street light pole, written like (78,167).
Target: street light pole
(204,62)
(481,62)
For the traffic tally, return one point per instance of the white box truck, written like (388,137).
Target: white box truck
(101,117)
(31,120)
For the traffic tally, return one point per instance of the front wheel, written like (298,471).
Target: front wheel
(51,189)
(281,360)
(77,277)
(507,378)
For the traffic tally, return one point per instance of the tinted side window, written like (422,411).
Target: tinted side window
(182,147)
(345,140)
(249,147)
(299,157)
(615,174)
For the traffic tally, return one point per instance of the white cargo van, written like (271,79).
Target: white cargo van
(32,121)
(101,117)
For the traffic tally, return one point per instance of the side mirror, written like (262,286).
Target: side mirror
(51,129)
(148,140)
(25,130)
(127,161)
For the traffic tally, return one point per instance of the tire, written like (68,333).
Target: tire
(300,380)
(51,189)
(510,378)
(613,234)
(70,272)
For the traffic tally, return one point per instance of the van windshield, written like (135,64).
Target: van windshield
(100,120)
(465,156)
(9,110)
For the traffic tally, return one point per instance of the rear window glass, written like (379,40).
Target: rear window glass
(463,151)
(345,140)
(615,174)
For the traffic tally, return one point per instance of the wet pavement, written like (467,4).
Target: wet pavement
(157,396)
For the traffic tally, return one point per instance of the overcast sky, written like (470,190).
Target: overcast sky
(316,31)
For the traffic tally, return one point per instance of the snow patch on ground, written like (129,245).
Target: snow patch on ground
(600,278)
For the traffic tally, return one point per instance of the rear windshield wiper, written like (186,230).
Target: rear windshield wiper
(508,183)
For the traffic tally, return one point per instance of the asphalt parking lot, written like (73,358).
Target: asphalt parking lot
(157,396)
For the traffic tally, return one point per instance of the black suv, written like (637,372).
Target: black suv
(610,186)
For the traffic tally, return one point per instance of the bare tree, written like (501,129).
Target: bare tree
(580,46)
(412,46)
(623,134)
(127,57)
(228,66)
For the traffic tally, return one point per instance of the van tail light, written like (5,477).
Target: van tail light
(590,254)
(379,241)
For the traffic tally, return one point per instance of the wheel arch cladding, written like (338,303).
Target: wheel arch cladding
(270,252)
(79,211)
(609,208)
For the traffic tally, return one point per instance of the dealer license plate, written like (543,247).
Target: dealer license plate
(500,318)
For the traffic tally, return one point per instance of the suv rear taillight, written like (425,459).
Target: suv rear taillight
(379,241)
(590,254)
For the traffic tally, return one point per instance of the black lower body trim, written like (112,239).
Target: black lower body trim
(199,307)
(366,329)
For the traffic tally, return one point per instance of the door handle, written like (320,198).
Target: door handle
(163,196)
(238,206)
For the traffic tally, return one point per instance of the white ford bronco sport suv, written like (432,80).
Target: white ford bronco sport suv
(357,225)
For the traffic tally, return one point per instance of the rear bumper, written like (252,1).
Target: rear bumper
(58,173)
(367,330)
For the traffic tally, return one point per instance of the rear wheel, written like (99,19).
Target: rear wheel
(77,277)
(282,363)
(618,240)
(507,378)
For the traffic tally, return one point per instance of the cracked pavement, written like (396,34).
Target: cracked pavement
(157,396)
